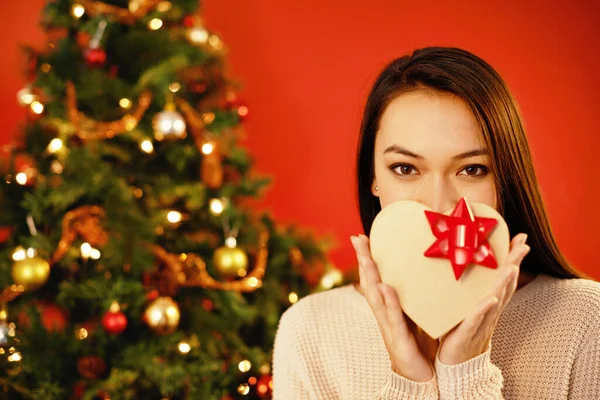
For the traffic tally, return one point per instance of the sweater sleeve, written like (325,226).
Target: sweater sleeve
(289,370)
(476,378)
(401,388)
(585,375)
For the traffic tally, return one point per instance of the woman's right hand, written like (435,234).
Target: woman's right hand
(405,355)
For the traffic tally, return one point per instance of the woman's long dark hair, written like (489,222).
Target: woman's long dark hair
(456,71)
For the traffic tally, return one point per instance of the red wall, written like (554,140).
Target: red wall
(307,66)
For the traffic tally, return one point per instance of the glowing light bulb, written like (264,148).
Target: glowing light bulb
(216,206)
(21,178)
(86,250)
(245,366)
(155,24)
(37,107)
(207,148)
(55,145)
(293,297)
(147,146)
(184,347)
(197,35)
(77,10)
(174,217)
(125,103)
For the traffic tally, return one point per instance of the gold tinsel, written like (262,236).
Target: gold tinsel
(119,14)
(88,129)
(81,222)
(211,169)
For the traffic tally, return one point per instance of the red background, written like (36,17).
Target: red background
(307,65)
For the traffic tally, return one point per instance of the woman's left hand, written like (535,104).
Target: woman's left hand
(473,335)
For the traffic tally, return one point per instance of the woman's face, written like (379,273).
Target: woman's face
(429,149)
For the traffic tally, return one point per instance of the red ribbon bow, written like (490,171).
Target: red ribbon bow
(461,238)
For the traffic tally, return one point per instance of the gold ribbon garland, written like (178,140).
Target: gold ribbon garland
(119,14)
(84,222)
(88,129)
(211,168)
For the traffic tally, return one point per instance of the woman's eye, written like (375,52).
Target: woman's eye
(475,170)
(404,169)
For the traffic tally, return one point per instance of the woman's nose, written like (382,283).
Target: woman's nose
(437,193)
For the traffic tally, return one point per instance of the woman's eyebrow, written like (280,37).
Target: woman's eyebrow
(401,150)
(471,153)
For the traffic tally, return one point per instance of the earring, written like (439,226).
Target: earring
(376,188)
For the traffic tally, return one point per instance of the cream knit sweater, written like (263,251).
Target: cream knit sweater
(546,346)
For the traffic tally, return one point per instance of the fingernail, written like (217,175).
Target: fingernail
(353,239)
(524,239)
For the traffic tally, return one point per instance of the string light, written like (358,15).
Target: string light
(265,369)
(37,107)
(208,118)
(125,103)
(174,87)
(19,254)
(215,42)
(245,366)
(252,380)
(86,250)
(15,356)
(77,10)
(155,24)
(163,6)
(207,148)
(21,178)
(55,145)
(137,192)
(197,35)
(184,347)
(243,111)
(231,242)
(262,387)
(56,167)
(25,97)
(293,297)
(243,389)
(216,206)
(331,278)
(95,254)
(253,282)
(147,146)
(174,217)
(45,68)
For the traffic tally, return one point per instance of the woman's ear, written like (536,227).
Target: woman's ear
(374,189)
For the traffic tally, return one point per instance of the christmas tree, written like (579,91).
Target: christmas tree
(133,263)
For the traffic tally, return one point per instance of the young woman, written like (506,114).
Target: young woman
(439,125)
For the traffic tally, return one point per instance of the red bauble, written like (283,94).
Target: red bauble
(461,238)
(264,386)
(95,57)
(114,322)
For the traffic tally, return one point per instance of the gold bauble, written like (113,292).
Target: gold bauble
(31,272)
(231,262)
(162,315)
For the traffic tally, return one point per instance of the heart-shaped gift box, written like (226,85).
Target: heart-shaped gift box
(434,293)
